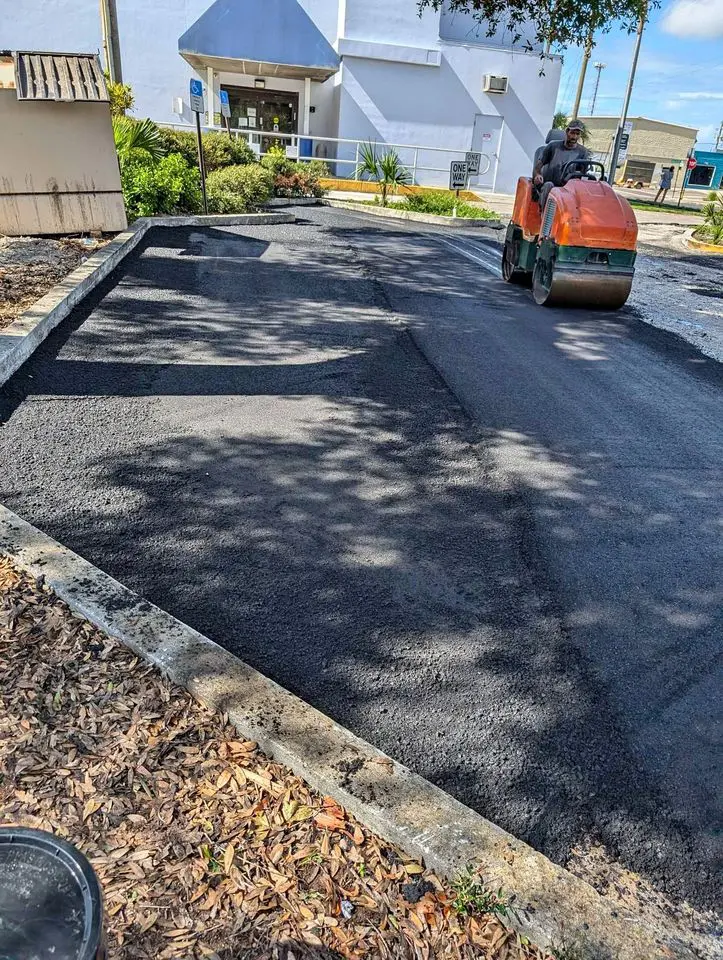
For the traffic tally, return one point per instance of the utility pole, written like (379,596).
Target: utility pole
(599,67)
(628,93)
(583,70)
(111,43)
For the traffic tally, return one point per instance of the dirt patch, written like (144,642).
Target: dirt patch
(204,847)
(31,266)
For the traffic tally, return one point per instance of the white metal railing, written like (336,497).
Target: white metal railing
(414,163)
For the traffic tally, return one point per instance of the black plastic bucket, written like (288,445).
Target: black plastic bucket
(51,905)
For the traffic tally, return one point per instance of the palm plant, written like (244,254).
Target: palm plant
(712,229)
(130,135)
(386,168)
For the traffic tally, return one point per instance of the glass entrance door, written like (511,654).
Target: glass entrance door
(270,111)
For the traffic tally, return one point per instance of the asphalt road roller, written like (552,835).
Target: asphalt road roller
(580,250)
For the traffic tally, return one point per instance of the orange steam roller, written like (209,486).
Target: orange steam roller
(580,251)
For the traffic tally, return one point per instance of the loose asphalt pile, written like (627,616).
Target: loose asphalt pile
(204,847)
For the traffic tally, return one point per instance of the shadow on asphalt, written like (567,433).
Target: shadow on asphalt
(251,443)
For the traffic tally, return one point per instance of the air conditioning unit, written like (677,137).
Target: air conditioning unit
(494,84)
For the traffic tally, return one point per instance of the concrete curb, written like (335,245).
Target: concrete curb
(554,907)
(385,212)
(27,332)
(690,241)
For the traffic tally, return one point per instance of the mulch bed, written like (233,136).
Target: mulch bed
(31,266)
(204,847)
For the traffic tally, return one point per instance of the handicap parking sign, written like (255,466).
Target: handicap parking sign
(197,104)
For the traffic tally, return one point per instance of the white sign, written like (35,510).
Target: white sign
(457,175)
(473,162)
(197,104)
(225,105)
(625,141)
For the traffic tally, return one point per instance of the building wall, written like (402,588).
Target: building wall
(400,81)
(407,103)
(651,140)
(713,159)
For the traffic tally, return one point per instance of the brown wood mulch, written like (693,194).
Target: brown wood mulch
(31,266)
(204,847)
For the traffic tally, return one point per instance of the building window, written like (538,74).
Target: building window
(701,176)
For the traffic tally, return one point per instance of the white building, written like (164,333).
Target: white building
(363,70)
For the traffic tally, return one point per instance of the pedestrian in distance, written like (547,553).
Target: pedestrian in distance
(666,182)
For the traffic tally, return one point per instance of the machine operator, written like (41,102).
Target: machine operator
(548,169)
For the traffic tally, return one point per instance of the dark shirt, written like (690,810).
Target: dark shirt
(556,155)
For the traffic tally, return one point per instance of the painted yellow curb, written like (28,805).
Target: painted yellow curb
(368,186)
(714,248)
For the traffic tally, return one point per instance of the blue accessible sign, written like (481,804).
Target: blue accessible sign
(197,104)
(225,106)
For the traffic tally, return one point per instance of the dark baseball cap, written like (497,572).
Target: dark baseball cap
(575,125)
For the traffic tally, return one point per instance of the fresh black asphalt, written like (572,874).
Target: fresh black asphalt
(481,534)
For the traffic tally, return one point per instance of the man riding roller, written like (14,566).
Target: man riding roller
(548,169)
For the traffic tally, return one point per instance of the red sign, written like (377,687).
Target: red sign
(692,163)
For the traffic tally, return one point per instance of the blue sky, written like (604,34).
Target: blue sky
(680,72)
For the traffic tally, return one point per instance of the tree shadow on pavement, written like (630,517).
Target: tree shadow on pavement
(278,466)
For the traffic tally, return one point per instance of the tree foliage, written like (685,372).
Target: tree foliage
(561,120)
(121,96)
(132,136)
(558,22)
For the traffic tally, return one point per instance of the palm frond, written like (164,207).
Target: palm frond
(132,135)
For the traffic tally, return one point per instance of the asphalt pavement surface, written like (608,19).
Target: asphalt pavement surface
(483,535)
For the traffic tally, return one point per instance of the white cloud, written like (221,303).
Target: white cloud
(701,95)
(695,18)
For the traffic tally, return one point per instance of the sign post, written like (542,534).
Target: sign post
(473,160)
(690,164)
(198,108)
(225,109)
(457,179)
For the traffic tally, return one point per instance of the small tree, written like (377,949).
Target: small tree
(121,96)
(387,169)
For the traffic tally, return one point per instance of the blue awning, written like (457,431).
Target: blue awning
(267,38)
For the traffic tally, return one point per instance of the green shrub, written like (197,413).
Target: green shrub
(219,150)
(441,203)
(277,162)
(298,183)
(712,229)
(317,168)
(239,189)
(120,96)
(153,188)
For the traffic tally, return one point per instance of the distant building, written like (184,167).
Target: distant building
(368,70)
(708,174)
(654,144)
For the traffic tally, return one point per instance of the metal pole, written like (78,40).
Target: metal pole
(111,45)
(628,95)
(201,162)
(581,79)
(599,67)
(414,167)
